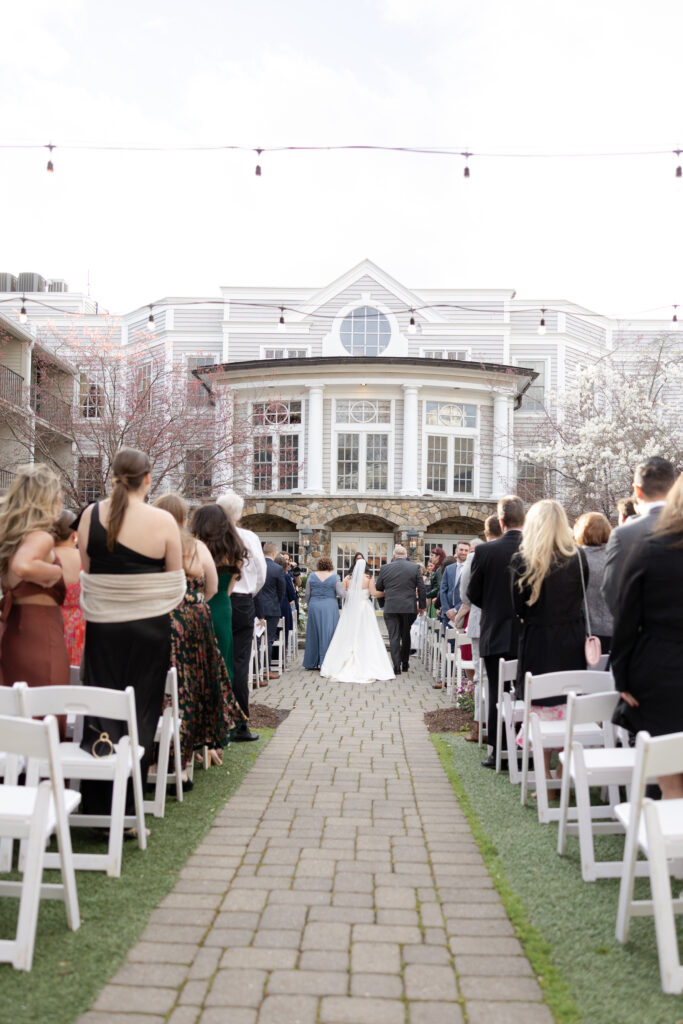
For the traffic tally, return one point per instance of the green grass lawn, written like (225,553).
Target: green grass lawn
(566,924)
(69,968)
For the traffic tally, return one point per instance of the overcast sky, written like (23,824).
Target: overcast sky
(509,76)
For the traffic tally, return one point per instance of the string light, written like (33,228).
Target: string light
(411,323)
(50,165)
(674,320)
(150,322)
(541,325)
(22,311)
(679,170)
(258,166)
(281,324)
(466,172)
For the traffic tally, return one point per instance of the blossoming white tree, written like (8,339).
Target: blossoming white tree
(620,410)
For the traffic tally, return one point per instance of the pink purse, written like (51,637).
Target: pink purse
(592,646)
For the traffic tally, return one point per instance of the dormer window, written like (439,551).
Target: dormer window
(365,332)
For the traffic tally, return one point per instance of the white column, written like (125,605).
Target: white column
(502,445)
(410,486)
(314,455)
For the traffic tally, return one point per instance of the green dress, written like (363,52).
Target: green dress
(221,612)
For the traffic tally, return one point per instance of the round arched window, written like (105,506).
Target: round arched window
(365,332)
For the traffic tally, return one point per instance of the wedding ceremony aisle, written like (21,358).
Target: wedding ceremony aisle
(340,885)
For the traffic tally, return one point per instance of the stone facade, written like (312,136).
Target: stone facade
(392,516)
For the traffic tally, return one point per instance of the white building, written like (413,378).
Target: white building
(374,411)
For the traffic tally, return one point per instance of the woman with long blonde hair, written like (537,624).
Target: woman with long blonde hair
(32,648)
(548,599)
(647,643)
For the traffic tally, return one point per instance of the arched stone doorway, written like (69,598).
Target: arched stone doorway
(372,535)
(446,533)
(275,529)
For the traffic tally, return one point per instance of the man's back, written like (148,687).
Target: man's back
(398,580)
(491,589)
(621,543)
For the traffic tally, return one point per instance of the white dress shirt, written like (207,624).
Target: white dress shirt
(254,570)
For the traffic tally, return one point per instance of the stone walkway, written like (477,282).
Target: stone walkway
(340,885)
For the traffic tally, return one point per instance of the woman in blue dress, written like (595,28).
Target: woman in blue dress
(323,587)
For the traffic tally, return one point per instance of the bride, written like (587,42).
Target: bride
(357,653)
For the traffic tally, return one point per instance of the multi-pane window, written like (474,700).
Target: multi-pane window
(363,410)
(532,482)
(89,481)
(365,332)
(91,397)
(276,457)
(463,465)
(348,461)
(437,464)
(198,480)
(276,413)
(446,353)
(450,414)
(198,393)
(533,399)
(285,353)
(376,462)
(263,463)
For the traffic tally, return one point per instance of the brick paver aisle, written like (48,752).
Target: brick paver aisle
(340,885)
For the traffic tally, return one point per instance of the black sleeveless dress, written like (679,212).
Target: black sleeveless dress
(121,654)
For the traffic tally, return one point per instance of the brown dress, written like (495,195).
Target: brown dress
(33,649)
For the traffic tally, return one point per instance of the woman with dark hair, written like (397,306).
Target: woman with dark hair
(358,557)
(132,579)
(208,709)
(211,525)
(591,533)
(323,587)
(435,567)
(647,645)
(32,647)
(289,600)
(66,546)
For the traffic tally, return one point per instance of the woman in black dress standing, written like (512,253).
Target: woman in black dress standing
(548,599)
(647,644)
(122,536)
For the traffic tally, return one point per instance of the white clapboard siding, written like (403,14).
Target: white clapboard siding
(585,330)
(485,450)
(526,321)
(327,443)
(398,448)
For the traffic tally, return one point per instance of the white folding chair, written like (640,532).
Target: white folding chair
(123,763)
(655,827)
(454,663)
(292,653)
(279,645)
(510,712)
(32,814)
(168,729)
(483,685)
(583,767)
(10,765)
(541,735)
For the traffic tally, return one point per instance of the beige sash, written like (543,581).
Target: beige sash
(125,598)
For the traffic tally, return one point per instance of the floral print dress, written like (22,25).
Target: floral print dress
(74,623)
(208,709)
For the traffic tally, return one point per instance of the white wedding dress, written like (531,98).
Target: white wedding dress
(357,653)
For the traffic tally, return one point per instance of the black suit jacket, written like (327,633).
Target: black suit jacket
(268,601)
(621,543)
(491,590)
(398,581)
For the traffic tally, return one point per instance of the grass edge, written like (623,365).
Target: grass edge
(555,989)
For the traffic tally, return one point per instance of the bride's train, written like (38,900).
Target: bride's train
(357,653)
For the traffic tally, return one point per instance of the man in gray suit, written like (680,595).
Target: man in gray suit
(652,481)
(397,583)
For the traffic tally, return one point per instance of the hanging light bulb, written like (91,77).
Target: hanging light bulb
(50,165)
(466,172)
(282,328)
(258,166)
(150,322)
(679,170)
(674,320)
(411,323)
(22,311)
(541,325)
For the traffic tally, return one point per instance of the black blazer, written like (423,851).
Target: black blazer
(268,601)
(621,542)
(491,590)
(398,581)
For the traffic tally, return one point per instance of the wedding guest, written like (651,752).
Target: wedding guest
(435,567)
(208,709)
(492,528)
(647,645)
(323,587)
(490,589)
(289,601)
(469,616)
(591,533)
(652,481)
(66,548)
(211,525)
(268,601)
(626,509)
(252,578)
(548,599)
(133,578)
(32,646)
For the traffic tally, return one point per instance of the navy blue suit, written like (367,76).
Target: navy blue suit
(268,601)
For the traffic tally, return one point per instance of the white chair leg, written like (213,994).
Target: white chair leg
(177,760)
(626,885)
(29,901)
(118,801)
(665,924)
